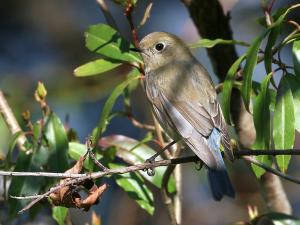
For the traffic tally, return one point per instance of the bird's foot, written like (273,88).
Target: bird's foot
(199,165)
(150,171)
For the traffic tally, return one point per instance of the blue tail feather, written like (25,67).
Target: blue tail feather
(220,183)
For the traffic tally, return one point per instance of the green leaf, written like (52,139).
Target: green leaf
(130,88)
(281,18)
(284,122)
(227,87)
(107,42)
(252,52)
(95,68)
(109,105)
(57,142)
(261,114)
(133,85)
(294,82)
(268,50)
(21,186)
(49,150)
(251,60)
(33,162)
(135,187)
(207,43)
(59,213)
(76,150)
(13,142)
(296,57)
(276,219)
(27,185)
(135,152)
(292,38)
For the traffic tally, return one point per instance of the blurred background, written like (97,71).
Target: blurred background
(43,41)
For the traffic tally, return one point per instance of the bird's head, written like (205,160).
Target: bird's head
(159,49)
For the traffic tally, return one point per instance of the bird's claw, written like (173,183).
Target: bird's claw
(199,165)
(150,171)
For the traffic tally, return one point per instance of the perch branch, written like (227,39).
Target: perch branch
(142,166)
(79,178)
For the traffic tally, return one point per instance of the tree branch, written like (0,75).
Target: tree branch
(273,195)
(109,18)
(244,154)
(79,178)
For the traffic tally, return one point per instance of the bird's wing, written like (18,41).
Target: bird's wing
(205,119)
(196,102)
(196,141)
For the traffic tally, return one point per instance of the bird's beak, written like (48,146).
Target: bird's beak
(136,50)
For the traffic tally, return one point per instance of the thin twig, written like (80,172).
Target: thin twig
(108,16)
(267,12)
(167,200)
(40,174)
(178,182)
(178,197)
(128,14)
(240,153)
(270,169)
(92,155)
(25,197)
(174,209)
(146,15)
(11,121)
(139,124)
(160,138)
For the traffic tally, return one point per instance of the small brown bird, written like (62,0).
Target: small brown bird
(185,103)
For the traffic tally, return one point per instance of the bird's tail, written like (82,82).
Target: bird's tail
(220,184)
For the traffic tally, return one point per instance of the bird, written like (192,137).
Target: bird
(184,101)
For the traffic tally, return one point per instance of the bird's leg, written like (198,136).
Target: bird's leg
(152,158)
(151,171)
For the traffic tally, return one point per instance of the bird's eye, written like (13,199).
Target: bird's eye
(159,46)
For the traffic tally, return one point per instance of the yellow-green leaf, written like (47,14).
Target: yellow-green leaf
(135,187)
(59,213)
(284,123)
(227,88)
(296,57)
(106,41)
(207,43)
(95,67)
(261,114)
